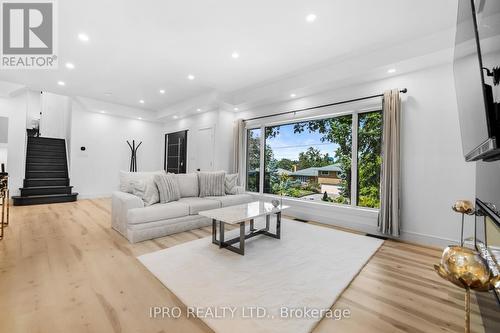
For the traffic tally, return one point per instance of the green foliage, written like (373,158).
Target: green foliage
(312,157)
(286,164)
(253,159)
(369,159)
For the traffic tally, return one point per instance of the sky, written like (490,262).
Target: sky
(288,144)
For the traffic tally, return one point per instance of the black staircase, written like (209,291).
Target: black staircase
(46,173)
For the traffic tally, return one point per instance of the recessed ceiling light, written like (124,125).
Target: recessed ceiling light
(61,83)
(311,18)
(292,95)
(235,109)
(141,101)
(199,110)
(69,65)
(83,37)
(190,77)
(175,117)
(102,111)
(235,55)
(391,70)
(162,91)
(140,118)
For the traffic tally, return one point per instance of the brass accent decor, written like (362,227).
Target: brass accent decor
(463,207)
(466,269)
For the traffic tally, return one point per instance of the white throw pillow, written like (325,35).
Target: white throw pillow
(212,183)
(167,187)
(146,190)
(188,184)
(230,183)
(126,178)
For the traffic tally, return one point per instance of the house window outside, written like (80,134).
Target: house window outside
(313,160)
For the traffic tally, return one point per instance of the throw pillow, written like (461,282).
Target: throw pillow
(147,191)
(230,183)
(212,183)
(188,184)
(126,178)
(167,188)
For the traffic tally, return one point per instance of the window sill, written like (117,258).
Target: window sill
(321,205)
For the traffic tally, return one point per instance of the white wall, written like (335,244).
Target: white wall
(15,109)
(434,173)
(56,115)
(94,172)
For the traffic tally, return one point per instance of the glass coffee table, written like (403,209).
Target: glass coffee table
(241,215)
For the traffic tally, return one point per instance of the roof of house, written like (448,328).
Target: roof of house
(314,171)
(281,171)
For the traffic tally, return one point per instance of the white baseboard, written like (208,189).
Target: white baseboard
(358,219)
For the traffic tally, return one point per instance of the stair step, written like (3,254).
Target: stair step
(45,190)
(45,166)
(45,159)
(46,182)
(46,153)
(46,141)
(46,174)
(43,199)
(41,147)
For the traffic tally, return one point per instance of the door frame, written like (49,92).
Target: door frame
(185,148)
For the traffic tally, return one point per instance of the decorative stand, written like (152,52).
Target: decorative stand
(133,157)
(463,207)
(466,269)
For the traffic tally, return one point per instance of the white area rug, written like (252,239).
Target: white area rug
(309,267)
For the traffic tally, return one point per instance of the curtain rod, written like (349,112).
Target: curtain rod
(403,91)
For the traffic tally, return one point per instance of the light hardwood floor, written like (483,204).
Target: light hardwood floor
(63,269)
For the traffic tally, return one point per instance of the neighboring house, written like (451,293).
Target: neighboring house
(327,175)
(281,171)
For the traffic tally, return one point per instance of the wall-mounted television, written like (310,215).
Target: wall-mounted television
(476,61)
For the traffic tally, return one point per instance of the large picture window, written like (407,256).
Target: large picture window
(313,160)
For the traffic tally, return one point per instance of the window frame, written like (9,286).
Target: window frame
(354,151)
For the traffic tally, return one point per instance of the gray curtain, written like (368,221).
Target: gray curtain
(389,215)
(238,148)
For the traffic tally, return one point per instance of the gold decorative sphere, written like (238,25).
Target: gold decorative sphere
(464,267)
(464,207)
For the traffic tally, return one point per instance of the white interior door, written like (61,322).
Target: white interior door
(204,159)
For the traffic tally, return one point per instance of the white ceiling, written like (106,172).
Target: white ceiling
(139,47)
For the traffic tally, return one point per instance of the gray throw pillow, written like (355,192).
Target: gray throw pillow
(230,183)
(146,190)
(212,183)
(167,188)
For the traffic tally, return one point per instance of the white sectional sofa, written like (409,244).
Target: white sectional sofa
(138,222)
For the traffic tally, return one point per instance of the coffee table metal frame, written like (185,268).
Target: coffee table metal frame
(228,244)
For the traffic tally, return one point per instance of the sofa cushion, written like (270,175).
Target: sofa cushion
(146,190)
(231,200)
(158,212)
(188,184)
(126,178)
(197,204)
(212,183)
